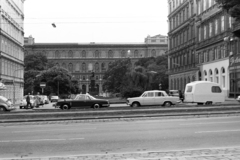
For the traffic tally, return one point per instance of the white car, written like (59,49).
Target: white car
(33,102)
(153,98)
(238,98)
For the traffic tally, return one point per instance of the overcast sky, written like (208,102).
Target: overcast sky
(84,21)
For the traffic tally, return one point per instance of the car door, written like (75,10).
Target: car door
(79,102)
(89,102)
(148,99)
(159,98)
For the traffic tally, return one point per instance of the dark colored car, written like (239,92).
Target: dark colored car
(5,104)
(54,98)
(81,101)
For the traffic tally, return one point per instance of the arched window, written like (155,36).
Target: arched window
(84,67)
(84,54)
(97,67)
(64,66)
(97,54)
(109,65)
(153,53)
(136,53)
(123,53)
(103,67)
(57,55)
(70,54)
(205,75)
(110,54)
(223,70)
(216,76)
(70,67)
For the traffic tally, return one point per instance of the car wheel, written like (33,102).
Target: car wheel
(135,104)
(65,107)
(2,109)
(167,104)
(96,106)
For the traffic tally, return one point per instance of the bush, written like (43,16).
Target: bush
(131,92)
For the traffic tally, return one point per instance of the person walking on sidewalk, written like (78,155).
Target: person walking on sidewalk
(28,101)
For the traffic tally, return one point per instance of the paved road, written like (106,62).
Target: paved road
(155,139)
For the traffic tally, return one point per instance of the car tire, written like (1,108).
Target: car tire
(96,106)
(167,104)
(20,107)
(135,104)
(65,107)
(2,109)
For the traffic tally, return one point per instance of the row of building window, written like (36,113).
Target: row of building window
(213,54)
(203,5)
(97,54)
(182,60)
(10,68)
(182,37)
(97,67)
(10,48)
(11,30)
(173,4)
(211,28)
(179,18)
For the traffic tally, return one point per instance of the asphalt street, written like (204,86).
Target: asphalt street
(121,137)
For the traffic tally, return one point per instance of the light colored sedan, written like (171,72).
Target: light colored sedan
(23,103)
(153,98)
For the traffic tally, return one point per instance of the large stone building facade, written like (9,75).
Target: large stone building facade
(83,59)
(11,48)
(209,48)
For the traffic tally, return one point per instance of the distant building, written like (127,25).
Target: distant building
(83,58)
(11,48)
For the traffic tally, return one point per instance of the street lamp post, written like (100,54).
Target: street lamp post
(14,83)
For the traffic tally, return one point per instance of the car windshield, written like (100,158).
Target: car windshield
(3,98)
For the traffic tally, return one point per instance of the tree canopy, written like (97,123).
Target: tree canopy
(231,6)
(58,80)
(131,81)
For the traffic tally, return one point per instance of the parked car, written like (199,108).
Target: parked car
(81,101)
(45,99)
(238,98)
(54,98)
(5,104)
(154,98)
(174,93)
(23,103)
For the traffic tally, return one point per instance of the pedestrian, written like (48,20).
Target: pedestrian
(28,101)
(181,96)
(38,100)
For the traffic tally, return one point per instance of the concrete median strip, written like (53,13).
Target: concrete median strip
(73,115)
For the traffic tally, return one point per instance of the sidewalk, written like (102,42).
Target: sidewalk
(194,154)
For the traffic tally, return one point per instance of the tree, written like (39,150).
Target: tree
(131,81)
(58,81)
(231,6)
(115,75)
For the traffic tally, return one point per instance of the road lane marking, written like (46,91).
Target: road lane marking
(37,140)
(218,131)
(188,124)
(50,130)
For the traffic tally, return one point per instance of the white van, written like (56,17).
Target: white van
(203,92)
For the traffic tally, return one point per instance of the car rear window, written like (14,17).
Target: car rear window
(216,89)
